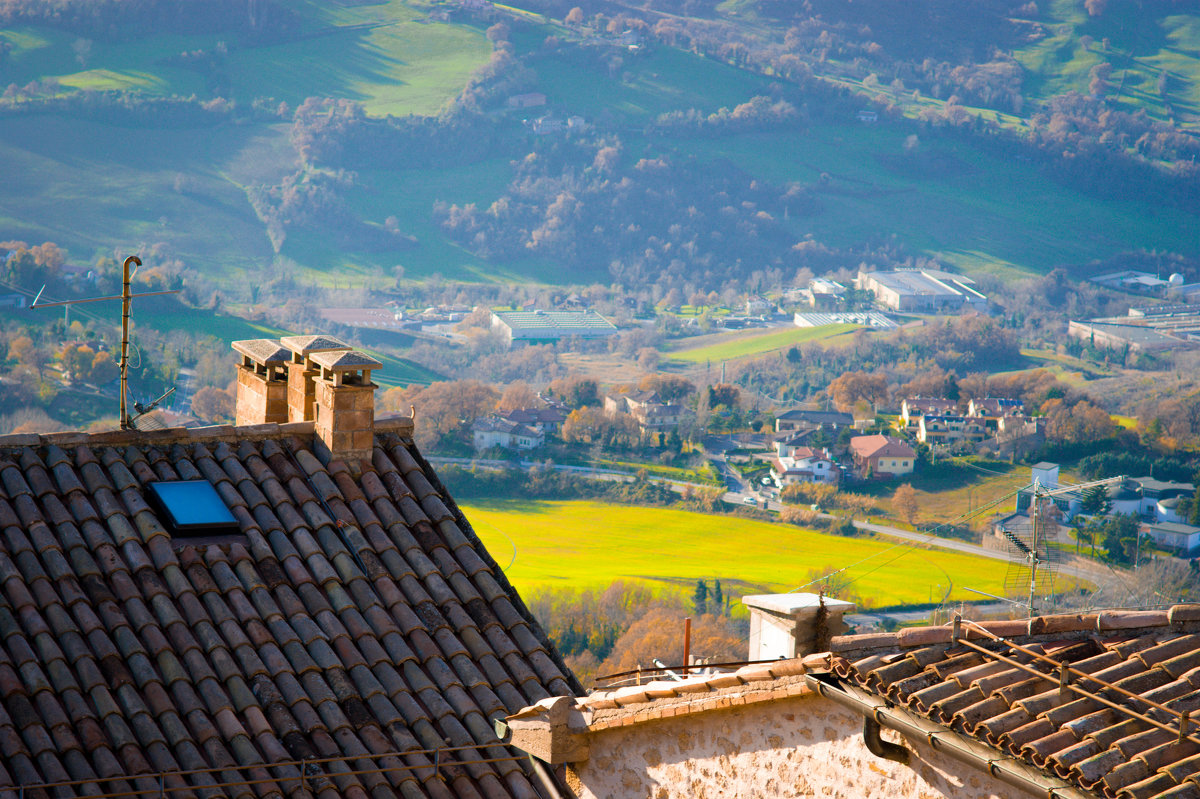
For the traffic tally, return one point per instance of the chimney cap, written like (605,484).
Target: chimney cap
(789,604)
(347,361)
(262,350)
(306,345)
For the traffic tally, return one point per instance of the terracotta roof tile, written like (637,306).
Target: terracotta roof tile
(1149,653)
(227,656)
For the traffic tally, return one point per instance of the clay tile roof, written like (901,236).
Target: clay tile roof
(1020,711)
(262,350)
(342,622)
(306,345)
(344,361)
(879,445)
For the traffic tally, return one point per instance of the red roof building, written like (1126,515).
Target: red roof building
(882,457)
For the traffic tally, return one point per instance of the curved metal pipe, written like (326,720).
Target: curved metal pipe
(879,747)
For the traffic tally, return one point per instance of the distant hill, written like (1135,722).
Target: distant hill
(679,142)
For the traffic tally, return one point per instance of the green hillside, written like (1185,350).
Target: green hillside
(93,182)
(390,56)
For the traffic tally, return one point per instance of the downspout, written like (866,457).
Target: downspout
(1003,767)
(879,747)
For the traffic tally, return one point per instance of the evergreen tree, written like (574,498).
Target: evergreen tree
(718,599)
(700,598)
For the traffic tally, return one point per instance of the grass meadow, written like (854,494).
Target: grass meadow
(578,544)
(1025,223)
(390,56)
(730,346)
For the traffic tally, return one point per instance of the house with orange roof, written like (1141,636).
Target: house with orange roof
(882,457)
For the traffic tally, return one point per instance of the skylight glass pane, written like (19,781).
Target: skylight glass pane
(191,506)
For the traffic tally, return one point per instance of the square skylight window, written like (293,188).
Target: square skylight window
(191,508)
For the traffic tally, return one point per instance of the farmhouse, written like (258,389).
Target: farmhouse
(882,457)
(544,326)
(546,420)
(647,407)
(291,607)
(923,290)
(497,431)
(1021,708)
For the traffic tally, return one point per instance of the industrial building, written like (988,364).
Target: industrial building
(545,326)
(922,291)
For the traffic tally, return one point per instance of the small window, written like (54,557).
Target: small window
(191,508)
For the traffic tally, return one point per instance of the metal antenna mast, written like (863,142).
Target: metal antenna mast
(1040,493)
(126,297)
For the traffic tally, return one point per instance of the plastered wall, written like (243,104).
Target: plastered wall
(805,746)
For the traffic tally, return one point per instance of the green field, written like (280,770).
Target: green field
(388,55)
(1141,48)
(742,345)
(588,544)
(1023,223)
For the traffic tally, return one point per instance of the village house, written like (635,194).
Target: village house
(913,408)
(1181,538)
(804,465)
(1073,706)
(291,607)
(993,409)
(757,306)
(647,407)
(946,430)
(545,420)
(497,431)
(882,457)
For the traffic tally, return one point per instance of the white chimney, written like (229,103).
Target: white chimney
(793,625)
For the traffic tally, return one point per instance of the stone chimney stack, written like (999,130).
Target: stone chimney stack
(262,382)
(345,405)
(793,625)
(302,372)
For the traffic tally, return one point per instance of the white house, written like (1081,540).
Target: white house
(495,431)
(804,465)
(1176,536)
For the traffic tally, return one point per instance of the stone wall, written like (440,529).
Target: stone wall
(802,746)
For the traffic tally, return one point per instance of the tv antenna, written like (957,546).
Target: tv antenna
(126,297)
(1033,558)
